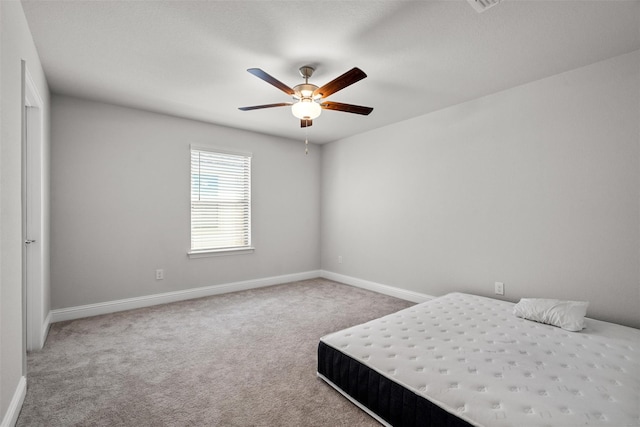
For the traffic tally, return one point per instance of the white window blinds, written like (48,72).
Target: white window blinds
(220,200)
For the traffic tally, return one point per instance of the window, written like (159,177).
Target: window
(220,201)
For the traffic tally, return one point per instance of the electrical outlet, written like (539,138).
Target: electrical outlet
(339,259)
(159,274)
(499,288)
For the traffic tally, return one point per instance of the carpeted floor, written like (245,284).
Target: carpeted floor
(241,359)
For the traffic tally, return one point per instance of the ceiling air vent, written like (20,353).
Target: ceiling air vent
(482,5)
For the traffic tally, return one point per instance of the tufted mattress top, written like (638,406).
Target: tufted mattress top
(473,358)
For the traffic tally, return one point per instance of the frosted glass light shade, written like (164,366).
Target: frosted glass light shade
(306,109)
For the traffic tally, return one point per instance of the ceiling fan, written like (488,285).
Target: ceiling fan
(309,99)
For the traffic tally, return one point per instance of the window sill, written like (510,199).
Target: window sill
(205,253)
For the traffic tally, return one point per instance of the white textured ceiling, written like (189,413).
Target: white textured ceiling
(189,58)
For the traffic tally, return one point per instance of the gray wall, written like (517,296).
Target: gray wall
(120,204)
(16,45)
(537,187)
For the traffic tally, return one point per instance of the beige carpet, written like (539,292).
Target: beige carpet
(241,359)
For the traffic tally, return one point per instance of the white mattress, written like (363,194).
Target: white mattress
(472,357)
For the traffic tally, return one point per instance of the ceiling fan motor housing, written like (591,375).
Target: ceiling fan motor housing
(305,91)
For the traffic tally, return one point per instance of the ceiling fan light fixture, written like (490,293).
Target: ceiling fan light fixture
(306,109)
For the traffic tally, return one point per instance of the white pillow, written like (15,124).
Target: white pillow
(567,315)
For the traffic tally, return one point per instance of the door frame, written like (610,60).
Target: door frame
(33,292)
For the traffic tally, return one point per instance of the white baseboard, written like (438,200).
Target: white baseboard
(45,330)
(89,310)
(11,416)
(376,287)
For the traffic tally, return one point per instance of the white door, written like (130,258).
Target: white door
(33,289)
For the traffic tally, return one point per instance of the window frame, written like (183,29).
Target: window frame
(222,251)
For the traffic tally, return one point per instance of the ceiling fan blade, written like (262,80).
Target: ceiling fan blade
(350,77)
(305,123)
(347,108)
(271,80)
(258,107)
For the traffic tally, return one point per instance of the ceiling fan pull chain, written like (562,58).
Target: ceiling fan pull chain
(306,141)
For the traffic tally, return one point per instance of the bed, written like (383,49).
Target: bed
(466,360)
